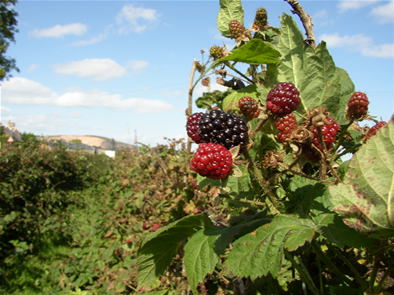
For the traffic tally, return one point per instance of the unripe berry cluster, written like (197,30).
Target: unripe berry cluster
(283,99)
(286,125)
(249,107)
(374,129)
(357,107)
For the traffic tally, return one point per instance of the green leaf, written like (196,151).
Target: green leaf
(261,252)
(229,10)
(347,89)
(230,103)
(159,248)
(255,52)
(203,250)
(366,198)
(321,85)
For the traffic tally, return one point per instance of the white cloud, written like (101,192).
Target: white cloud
(20,90)
(136,19)
(32,67)
(91,41)
(59,31)
(96,69)
(346,5)
(137,65)
(167,93)
(359,43)
(4,111)
(384,13)
(74,115)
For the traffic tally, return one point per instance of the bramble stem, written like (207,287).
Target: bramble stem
(348,151)
(258,127)
(306,277)
(331,266)
(239,73)
(350,265)
(304,175)
(274,200)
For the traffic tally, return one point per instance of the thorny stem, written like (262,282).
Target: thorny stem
(374,273)
(239,73)
(303,175)
(325,157)
(234,198)
(385,275)
(274,200)
(258,127)
(306,277)
(341,136)
(350,265)
(306,21)
(320,277)
(331,266)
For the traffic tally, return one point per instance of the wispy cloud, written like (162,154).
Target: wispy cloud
(136,19)
(345,5)
(359,43)
(95,68)
(20,90)
(32,67)
(137,65)
(384,13)
(59,31)
(95,39)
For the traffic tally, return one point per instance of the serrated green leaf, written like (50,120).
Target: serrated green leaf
(347,89)
(366,198)
(203,250)
(229,10)
(261,252)
(159,248)
(255,52)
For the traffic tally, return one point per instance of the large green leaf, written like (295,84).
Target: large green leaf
(347,89)
(203,250)
(255,52)
(258,253)
(159,248)
(366,198)
(229,10)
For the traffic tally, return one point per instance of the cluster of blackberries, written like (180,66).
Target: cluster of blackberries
(223,128)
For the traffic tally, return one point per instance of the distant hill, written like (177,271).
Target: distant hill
(101,142)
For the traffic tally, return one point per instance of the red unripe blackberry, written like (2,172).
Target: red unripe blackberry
(329,134)
(357,106)
(236,29)
(283,99)
(249,107)
(223,128)
(374,129)
(286,125)
(260,19)
(212,160)
(192,127)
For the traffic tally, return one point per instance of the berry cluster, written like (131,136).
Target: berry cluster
(249,107)
(374,129)
(212,160)
(223,128)
(236,29)
(192,126)
(260,19)
(286,125)
(283,99)
(216,52)
(357,106)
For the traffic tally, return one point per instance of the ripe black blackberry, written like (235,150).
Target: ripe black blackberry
(249,107)
(260,19)
(224,129)
(283,99)
(192,127)
(286,125)
(236,29)
(357,106)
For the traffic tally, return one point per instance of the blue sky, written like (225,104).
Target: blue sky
(113,68)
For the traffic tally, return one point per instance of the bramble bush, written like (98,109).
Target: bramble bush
(291,217)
